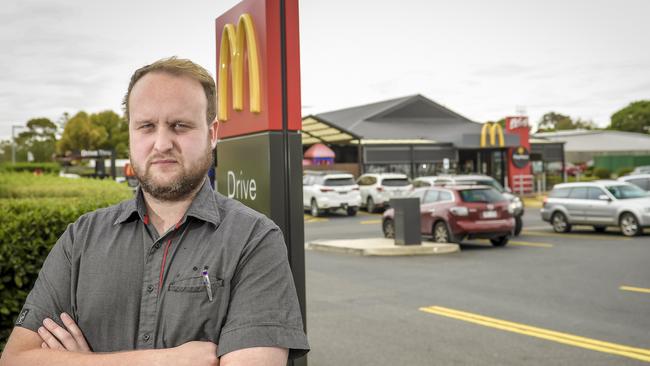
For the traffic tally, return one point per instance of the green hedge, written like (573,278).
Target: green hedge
(26,185)
(46,168)
(602,173)
(36,214)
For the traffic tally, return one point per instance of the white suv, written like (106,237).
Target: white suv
(328,190)
(641,180)
(378,189)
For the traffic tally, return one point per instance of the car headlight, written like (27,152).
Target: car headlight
(512,207)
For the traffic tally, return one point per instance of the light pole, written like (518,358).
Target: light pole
(13,142)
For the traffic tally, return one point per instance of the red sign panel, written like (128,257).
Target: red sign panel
(519,168)
(250,71)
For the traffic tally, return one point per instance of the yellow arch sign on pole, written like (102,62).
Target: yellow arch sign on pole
(231,56)
(495,131)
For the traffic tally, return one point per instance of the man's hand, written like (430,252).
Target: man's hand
(56,337)
(194,354)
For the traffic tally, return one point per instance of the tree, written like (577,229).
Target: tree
(81,134)
(552,121)
(5,151)
(117,132)
(39,139)
(633,118)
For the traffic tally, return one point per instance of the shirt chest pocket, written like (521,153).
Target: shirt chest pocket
(197,284)
(191,312)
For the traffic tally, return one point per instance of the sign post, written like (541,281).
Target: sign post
(519,157)
(259,153)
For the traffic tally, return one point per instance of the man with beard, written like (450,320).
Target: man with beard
(179,275)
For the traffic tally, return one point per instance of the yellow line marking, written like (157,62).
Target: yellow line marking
(367,222)
(316,219)
(564,338)
(570,235)
(364,213)
(530,244)
(522,243)
(635,289)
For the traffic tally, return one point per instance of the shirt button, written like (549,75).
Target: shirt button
(149,288)
(146,337)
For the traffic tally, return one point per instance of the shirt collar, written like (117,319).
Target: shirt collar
(203,206)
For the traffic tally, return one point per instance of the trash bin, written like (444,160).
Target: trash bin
(407,221)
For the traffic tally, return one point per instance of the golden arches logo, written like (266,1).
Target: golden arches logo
(495,131)
(231,57)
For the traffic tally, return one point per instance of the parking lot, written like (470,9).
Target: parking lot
(581,298)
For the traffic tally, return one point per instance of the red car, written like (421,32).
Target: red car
(451,214)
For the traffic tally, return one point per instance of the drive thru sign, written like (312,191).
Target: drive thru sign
(259,154)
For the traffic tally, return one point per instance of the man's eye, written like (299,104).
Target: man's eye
(146,126)
(180,126)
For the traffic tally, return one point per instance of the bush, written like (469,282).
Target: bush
(46,168)
(30,226)
(582,179)
(602,173)
(624,171)
(25,185)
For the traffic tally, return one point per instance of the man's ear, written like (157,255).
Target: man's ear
(214,133)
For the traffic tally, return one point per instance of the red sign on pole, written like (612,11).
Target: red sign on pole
(519,170)
(251,50)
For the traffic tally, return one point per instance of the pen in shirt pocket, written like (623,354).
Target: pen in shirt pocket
(206,282)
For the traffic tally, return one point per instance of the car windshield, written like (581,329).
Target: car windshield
(395,182)
(622,192)
(484,182)
(481,195)
(337,182)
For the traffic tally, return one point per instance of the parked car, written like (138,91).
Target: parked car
(599,204)
(645,169)
(378,188)
(324,191)
(517,203)
(453,213)
(640,180)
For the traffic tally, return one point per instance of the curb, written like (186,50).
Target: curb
(380,247)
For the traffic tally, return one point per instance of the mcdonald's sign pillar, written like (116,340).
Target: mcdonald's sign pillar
(259,153)
(519,157)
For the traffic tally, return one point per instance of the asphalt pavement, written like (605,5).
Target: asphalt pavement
(545,299)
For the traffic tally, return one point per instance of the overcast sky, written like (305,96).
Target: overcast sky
(482,59)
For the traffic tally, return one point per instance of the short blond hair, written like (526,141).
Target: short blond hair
(179,67)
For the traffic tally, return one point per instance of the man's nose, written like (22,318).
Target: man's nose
(164,140)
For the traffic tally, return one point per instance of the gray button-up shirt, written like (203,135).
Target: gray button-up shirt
(129,288)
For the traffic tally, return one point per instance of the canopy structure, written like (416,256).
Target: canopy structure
(314,130)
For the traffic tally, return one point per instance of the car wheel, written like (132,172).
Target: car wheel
(352,211)
(389,229)
(629,225)
(315,211)
(370,205)
(441,233)
(600,229)
(519,224)
(560,223)
(500,241)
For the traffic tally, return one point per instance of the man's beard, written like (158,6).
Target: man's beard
(181,187)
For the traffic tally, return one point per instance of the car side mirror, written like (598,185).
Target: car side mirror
(604,197)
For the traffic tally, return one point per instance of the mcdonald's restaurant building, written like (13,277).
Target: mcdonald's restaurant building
(416,136)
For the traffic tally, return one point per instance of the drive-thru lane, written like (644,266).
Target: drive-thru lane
(582,287)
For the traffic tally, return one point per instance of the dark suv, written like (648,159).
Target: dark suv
(454,213)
